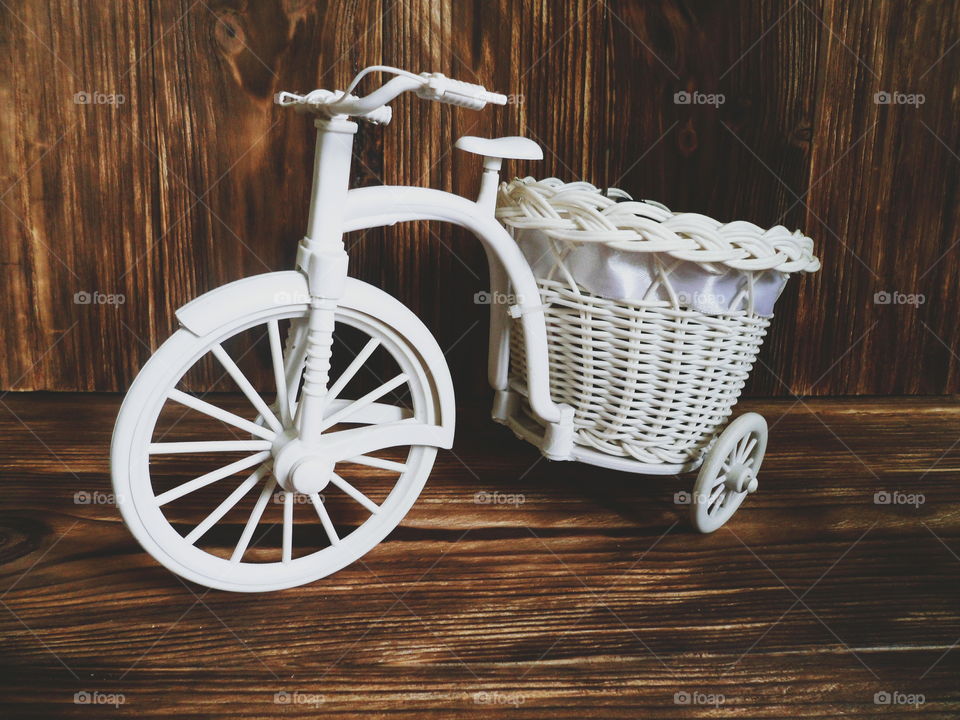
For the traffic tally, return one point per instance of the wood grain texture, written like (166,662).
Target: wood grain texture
(197,179)
(591,598)
(890,184)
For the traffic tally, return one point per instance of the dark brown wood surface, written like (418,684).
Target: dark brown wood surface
(591,598)
(196,179)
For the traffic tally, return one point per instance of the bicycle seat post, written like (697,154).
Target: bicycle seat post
(489,182)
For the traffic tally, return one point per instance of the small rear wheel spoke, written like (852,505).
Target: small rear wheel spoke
(718,490)
(716,502)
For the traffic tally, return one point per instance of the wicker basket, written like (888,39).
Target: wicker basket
(655,377)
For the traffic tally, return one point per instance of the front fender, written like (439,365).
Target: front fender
(243,298)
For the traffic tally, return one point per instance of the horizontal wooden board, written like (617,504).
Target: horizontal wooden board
(515,587)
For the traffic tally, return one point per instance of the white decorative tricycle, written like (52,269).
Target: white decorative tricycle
(621,335)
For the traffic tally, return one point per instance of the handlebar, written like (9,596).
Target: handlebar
(373,107)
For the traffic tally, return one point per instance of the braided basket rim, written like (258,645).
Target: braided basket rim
(579,212)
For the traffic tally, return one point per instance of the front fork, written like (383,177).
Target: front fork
(323,259)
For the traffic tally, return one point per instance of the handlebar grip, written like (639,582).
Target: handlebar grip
(457,92)
(381,116)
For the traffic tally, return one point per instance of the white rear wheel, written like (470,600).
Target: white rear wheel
(729,472)
(194,471)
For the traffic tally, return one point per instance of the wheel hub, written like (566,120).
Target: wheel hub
(298,468)
(740,478)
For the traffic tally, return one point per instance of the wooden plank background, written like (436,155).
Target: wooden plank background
(586,596)
(196,179)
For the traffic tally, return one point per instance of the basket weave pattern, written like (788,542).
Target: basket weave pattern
(649,382)
(650,379)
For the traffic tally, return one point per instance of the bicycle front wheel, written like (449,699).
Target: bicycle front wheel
(193,467)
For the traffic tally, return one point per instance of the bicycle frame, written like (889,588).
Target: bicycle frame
(335,209)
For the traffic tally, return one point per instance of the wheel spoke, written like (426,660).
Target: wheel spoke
(713,496)
(738,453)
(719,480)
(253,520)
(213,411)
(749,448)
(716,504)
(241,380)
(334,391)
(207,446)
(211,477)
(294,363)
(354,493)
(359,404)
(325,519)
(287,527)
(279,376)
(371,461)
(223,508)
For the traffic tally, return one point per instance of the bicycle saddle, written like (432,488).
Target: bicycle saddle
(513,147)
